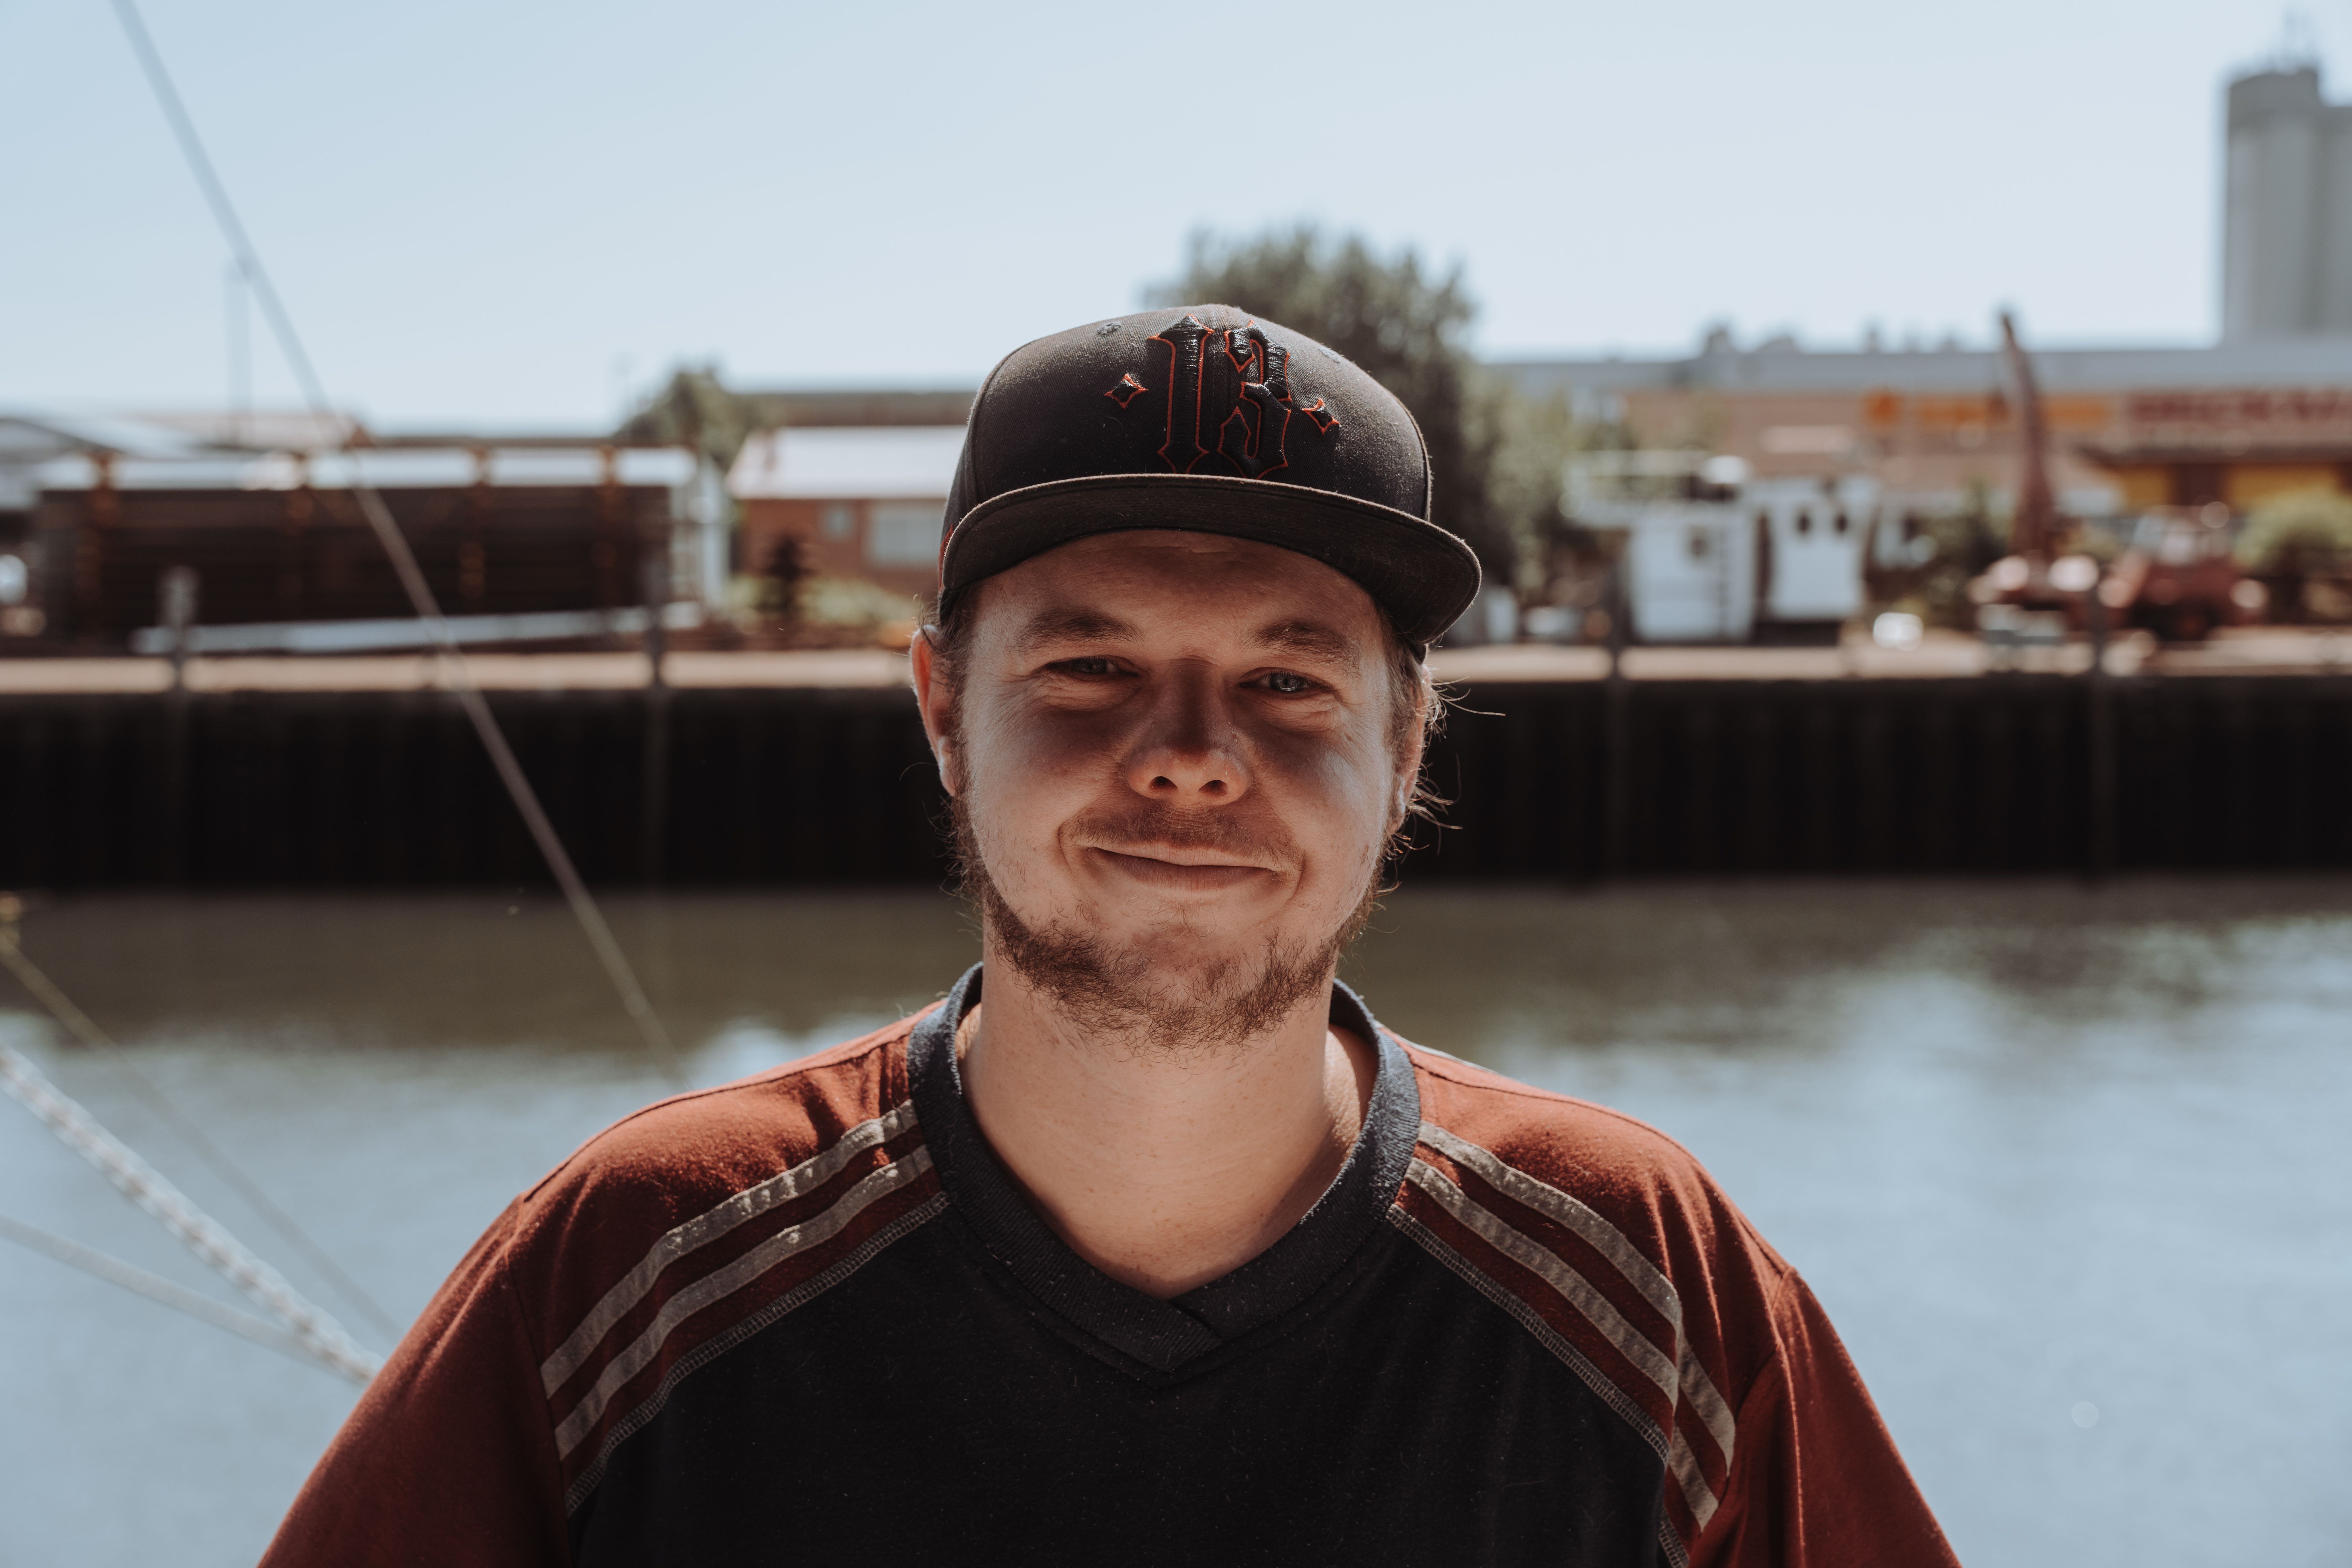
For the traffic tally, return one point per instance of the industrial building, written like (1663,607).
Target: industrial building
(97,515)
(2266,410)
(2287,216)
(2130,427)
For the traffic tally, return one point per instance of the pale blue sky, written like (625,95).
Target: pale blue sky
(482,212)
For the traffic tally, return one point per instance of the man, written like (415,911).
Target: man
(1148,1244)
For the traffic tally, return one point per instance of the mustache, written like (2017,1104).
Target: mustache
(1148,824)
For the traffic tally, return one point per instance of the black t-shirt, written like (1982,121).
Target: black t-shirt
(809,1316)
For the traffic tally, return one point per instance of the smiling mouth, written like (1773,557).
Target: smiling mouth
(1160,870)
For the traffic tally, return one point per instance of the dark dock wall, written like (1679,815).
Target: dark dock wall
(774,787)
(1992,775)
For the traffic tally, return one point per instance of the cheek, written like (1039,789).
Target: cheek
(1336,790)
(1027,771)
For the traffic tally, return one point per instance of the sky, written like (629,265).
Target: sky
(518,215)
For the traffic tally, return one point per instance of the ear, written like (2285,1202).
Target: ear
(932,699)
(1408,775)
(1407,772)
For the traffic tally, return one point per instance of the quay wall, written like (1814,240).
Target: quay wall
(1560,781)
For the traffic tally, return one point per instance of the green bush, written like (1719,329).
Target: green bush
(1967,541)
(2303,534)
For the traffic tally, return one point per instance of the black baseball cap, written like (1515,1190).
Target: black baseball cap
(1202,417)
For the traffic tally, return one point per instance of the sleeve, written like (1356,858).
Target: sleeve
(447,1458)
(1816,1482)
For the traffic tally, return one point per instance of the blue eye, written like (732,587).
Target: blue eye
(1285,684)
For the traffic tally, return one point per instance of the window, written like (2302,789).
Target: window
(904,534)
(838,521)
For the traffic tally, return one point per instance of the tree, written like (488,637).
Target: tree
(1529,441)
(694,410)
(1398,323)
(1968,540)
(2306,531)
(2294,540)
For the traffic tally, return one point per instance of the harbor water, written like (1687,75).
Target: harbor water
(2068,1165)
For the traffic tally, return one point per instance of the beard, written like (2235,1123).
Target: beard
(1134,994)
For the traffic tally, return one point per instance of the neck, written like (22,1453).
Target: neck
(1164,1170)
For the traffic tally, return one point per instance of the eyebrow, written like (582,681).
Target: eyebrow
(1308,637)
(1072,625)
(1046,627)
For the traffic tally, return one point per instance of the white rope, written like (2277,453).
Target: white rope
(13,957)
(198,1232)
(179,1298)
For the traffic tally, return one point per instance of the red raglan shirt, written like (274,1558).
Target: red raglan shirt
(807,1313)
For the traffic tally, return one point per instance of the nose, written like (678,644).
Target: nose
(1189,752)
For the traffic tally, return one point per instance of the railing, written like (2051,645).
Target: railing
(384,635)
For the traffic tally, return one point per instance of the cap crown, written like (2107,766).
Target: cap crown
(1192,389)
(1202,416)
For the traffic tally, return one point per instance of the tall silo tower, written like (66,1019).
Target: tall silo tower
(2286,256)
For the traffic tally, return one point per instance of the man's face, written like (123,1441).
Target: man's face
(1175,761)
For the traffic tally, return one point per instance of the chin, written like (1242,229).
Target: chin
(1182,955)
(1181,985)
(1234,919)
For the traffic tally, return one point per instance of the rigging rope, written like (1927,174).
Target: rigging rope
(12,955)
(197,1231)
(196,1304)
(379,519)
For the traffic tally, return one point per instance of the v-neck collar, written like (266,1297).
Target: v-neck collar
(1163,1335)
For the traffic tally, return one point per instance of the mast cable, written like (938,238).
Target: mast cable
(12,955)
(403,560)
(194,1229)
(155,1288)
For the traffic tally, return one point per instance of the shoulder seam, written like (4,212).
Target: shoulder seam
(1670,1365)
(644,1412)
(1493,1082)
(709,1224)
(880,1039)
(1509,1300)
(610,1356)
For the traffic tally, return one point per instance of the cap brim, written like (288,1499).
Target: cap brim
(1421,575)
